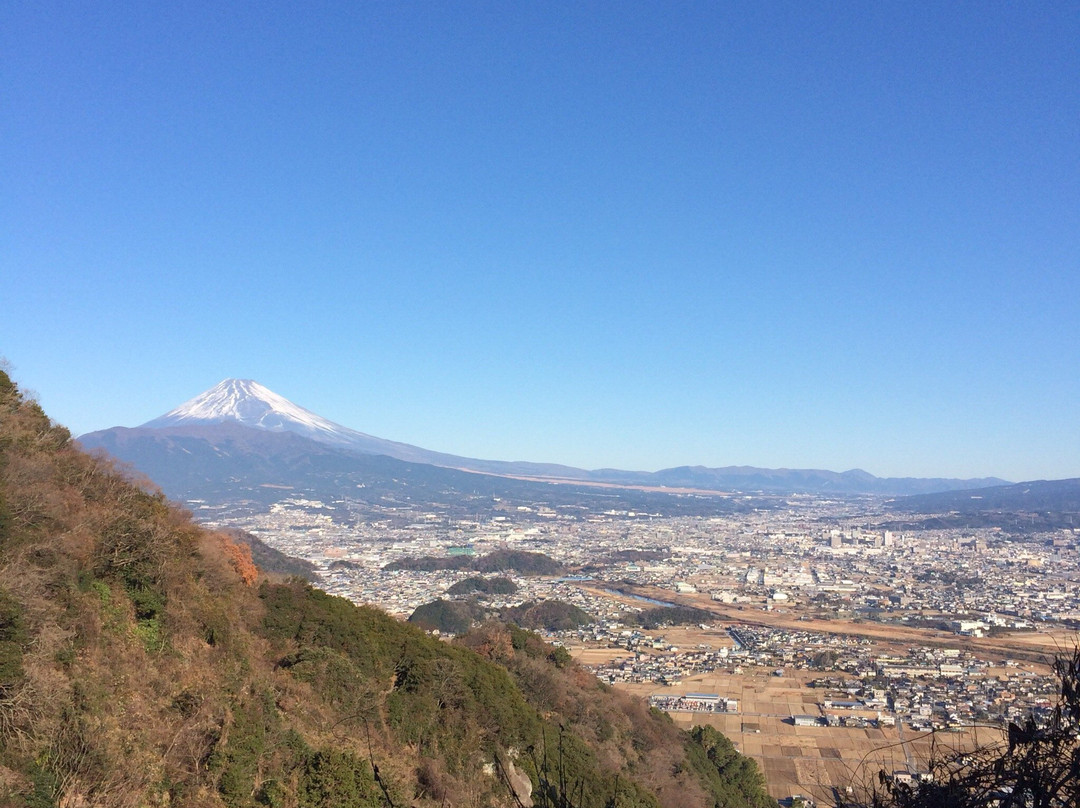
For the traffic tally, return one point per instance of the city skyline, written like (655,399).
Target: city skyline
(833,238)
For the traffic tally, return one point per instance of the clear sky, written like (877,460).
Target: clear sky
(636,235)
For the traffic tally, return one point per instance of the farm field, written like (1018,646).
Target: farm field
(813,761)
(808,761)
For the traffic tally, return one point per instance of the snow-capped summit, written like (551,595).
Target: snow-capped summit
(247,402)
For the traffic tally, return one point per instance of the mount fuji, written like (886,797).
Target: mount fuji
(248,403)
(234,407)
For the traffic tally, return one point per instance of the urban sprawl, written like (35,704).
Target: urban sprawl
(769,581)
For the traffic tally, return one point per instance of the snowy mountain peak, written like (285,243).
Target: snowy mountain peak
(247,402)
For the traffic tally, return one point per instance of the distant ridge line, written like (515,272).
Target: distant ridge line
(247,403)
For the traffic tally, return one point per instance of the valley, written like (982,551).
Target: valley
(829,634)
(918,633)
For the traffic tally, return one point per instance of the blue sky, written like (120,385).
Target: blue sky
(605,234)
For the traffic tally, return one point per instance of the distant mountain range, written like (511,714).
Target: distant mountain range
(240,433)
(1031,497)
(1021,509)
(246,470)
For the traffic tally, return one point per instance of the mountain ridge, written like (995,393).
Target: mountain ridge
(1032,495)
(144,660)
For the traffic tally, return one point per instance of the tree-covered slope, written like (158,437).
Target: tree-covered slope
(145,661)
(479,585)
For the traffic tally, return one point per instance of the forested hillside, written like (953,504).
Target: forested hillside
(145,661)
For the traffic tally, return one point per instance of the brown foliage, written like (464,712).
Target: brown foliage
(240,556)
(491,641)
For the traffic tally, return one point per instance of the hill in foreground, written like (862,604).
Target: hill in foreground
(147,661)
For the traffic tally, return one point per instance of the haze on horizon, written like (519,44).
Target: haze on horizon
(634,237)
